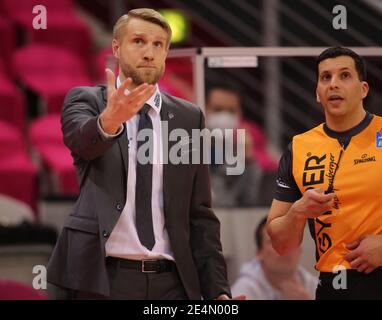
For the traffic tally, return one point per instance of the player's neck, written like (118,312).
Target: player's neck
(345,122)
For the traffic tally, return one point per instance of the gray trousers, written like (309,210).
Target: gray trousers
(131,284)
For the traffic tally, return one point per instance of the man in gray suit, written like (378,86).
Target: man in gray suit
(137,231)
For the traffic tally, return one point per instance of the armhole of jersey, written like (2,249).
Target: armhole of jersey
(292,165)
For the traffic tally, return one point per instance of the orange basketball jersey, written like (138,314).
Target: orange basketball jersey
(354,174)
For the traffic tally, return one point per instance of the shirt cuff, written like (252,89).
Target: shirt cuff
(106,135)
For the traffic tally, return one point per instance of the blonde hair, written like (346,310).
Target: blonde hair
(146,14)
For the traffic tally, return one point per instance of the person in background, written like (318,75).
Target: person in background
(270,276)
(224,111)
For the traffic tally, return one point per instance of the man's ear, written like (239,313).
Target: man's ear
(318,98)
(365,89)
(116,48)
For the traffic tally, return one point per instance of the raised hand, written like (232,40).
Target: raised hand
(121,106)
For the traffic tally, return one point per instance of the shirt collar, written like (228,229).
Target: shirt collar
(351,132)
(155,101)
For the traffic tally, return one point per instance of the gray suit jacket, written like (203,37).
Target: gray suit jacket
(78,260)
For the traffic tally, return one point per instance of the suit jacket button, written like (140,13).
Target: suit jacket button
(105,234)
(119,207)
(94,140)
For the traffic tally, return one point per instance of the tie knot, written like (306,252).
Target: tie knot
(145,109)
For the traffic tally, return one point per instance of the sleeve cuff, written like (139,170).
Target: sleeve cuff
(107,136)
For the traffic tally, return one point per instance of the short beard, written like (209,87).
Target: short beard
(129,72)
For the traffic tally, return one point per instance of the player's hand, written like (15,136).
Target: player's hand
(366,253)
(120,105)
(313,203)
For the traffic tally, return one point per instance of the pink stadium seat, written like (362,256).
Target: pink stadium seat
(46,130)
(7,44)
(11,140)
(18,179)
(58,159)
(2,68)
(68,32)
(12,107)
(64,27)
(18,10)
(18,174)
(50,72)
(12,290)
(46,137)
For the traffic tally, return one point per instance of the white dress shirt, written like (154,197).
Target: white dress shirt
(123,241)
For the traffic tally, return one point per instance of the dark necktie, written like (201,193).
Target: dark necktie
(143,187)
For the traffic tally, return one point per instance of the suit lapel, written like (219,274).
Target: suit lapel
(168,114)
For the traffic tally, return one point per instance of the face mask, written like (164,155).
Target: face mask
(222,120)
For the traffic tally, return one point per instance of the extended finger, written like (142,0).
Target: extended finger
(322,198)
(318,196)
(321,208)
(362,237)
(145,94)
(318,190)
(370,268)
(351,256)
(124,86)
(140,98)
(110,78)
(362,267)
(353,245)
(356,263)
(133,94)
(328,204)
